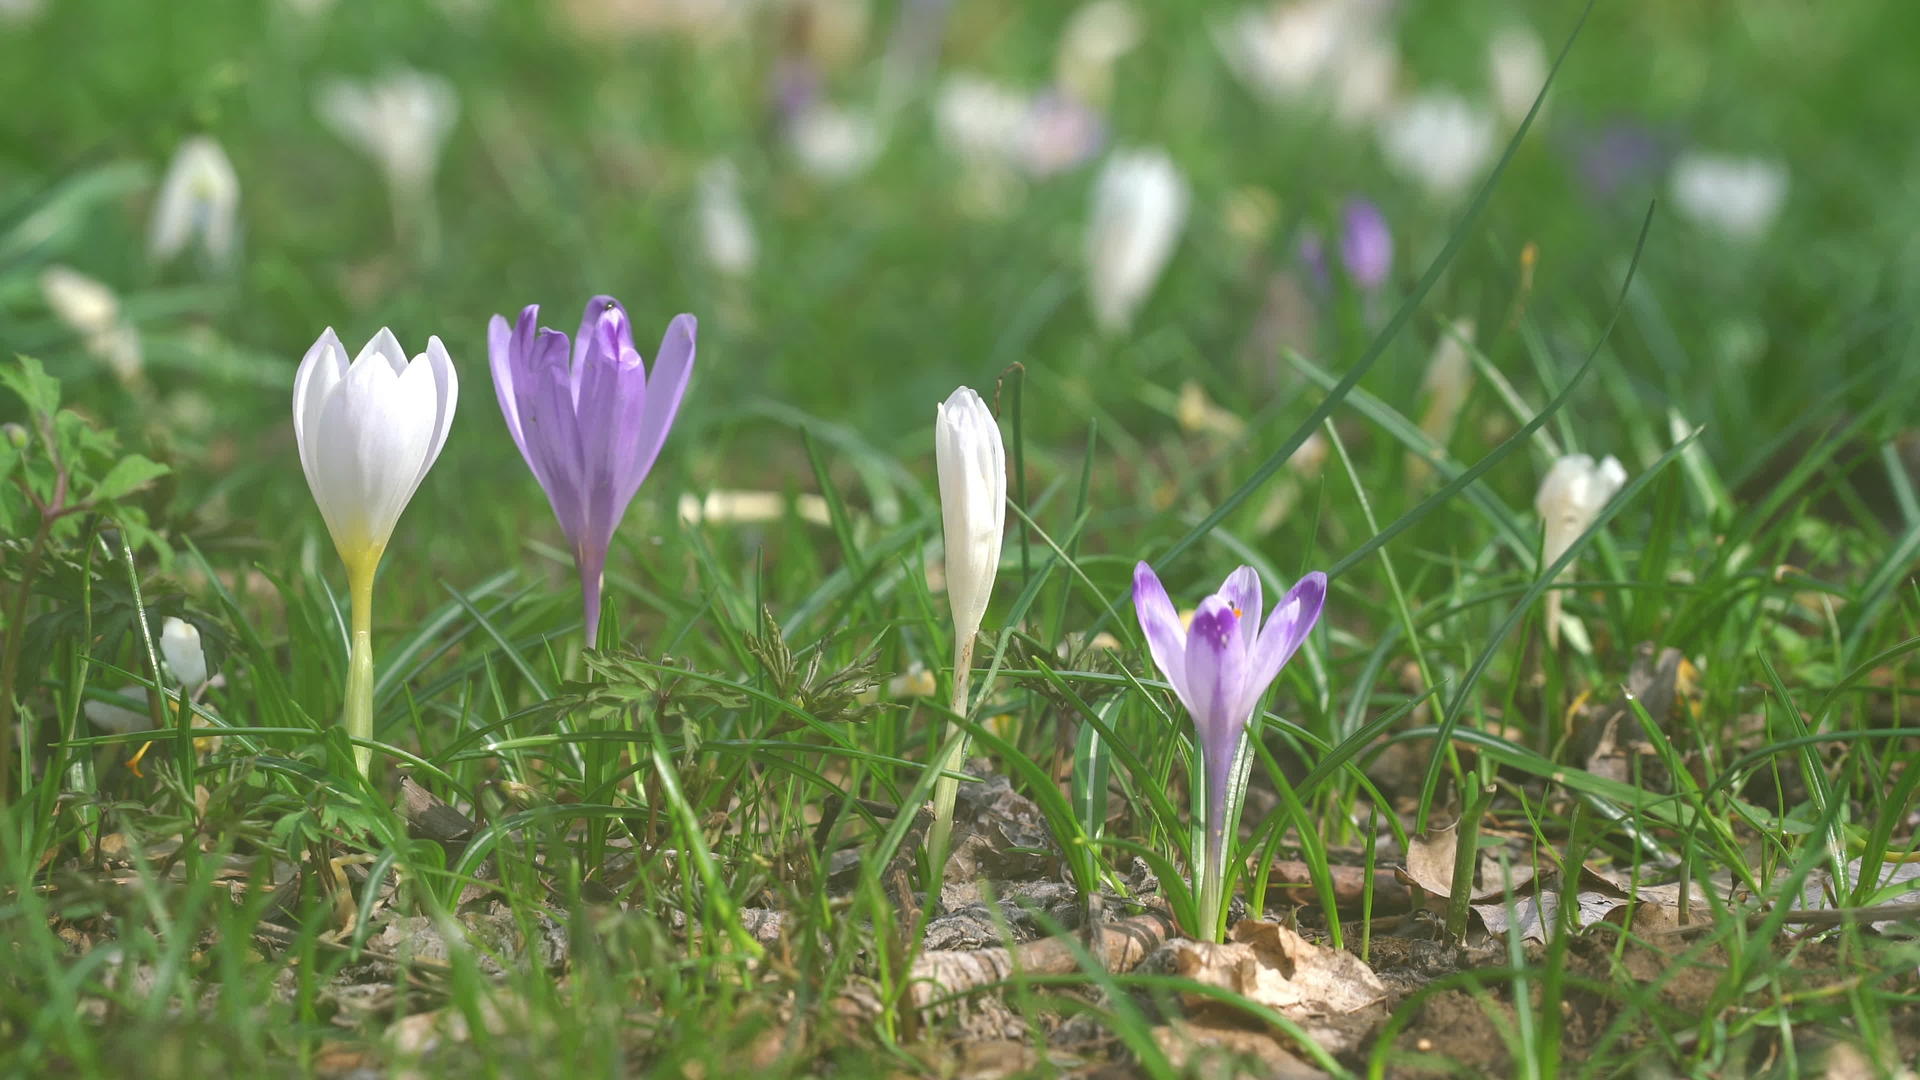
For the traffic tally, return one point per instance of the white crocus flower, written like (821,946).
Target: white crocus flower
(199,200)
(400,121)
(92,310)
(1738,197)
(368,432)
(1139,209)
(180,645)
(1570,498)
(972,463)
(1439,140)
(1517,68)
(726,233)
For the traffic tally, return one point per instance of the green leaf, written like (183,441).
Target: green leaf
(30,381)
(128,475)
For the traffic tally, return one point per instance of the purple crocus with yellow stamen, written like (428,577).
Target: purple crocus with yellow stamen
(589,421)
(1220,667)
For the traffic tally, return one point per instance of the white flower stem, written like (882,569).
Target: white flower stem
(359,711)
(946,789)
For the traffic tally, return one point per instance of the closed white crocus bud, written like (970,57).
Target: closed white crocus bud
(973,508)
(1438,140)
(368,432)
(180,644)
(198,201)
(1738,197)
(726,233)
(1139,209)
(973,503)
(1571,496)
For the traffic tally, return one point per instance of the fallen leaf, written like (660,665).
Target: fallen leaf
(1271,965)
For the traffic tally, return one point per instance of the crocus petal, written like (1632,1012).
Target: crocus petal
(672,369)
(1242,590)
(544,390)
(1166,638)
(180,644)
(613,391)
(321,372)
(589,320)
(1292,619)
(446,390)
(505,344)
(1216,676)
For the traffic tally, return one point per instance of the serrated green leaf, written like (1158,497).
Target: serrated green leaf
(39,390)
(128,475)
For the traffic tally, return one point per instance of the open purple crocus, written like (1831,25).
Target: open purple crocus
(1220,668)
(590,424)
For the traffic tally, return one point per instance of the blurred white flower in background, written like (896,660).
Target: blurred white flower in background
(1738,197)
(400,121)
(751,508)
(726,233)
(1516,68)
(1139,209)
(977,118)
(198,202)
(1338,51)
(706,19)
(20,11)
(994,127)
(833,142)
(92,310)
(1446,385)
(1438,140)
(1095,38)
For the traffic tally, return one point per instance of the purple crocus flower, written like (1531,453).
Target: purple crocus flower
(1220,668)
(1366,244)
(591,424)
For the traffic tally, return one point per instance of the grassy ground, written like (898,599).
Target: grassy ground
(631,817)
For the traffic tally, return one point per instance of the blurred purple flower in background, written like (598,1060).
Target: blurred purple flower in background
(590,428)
(1366,244)
(1219,668)
(1610,159)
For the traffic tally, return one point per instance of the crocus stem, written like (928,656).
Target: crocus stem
(359,711)
(946,789)
(1213,862)
(592,568)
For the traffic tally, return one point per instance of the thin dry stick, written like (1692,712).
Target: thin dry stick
(936,976)
(1815,917)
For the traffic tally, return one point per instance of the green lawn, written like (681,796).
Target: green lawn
(697,850)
